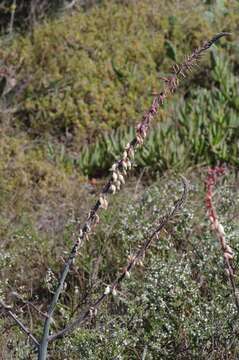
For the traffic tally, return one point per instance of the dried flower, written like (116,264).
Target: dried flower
(114,292)
(87,228)
(129,164)
(127,274)
(121,179)
(107,290)
(114,167)
(96,219)
(125,155)
(124,165)
(118,184)
(103,202)
(220,229)
(131,153)
(139,140)
(114,176)
(112,189)
(228,256)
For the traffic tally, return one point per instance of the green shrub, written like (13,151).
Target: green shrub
(202,129)
(94,71)
(179,305)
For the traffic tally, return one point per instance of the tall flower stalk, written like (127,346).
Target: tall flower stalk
(119,170)
(122,166)
(228,254)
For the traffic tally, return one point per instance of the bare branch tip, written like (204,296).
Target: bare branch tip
(219,35)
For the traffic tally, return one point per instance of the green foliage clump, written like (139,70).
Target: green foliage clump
(202,129)
(178,304)
(91,72)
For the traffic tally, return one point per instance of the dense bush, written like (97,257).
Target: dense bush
(178,304)
(94,72)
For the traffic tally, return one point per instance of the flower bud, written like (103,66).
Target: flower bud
(121,179)
(112,189)
(125,155)
(129,164)
(229,249)
(114,292)
(228,256)
(87,228)
(143,133)
(114,176)
(221,229)
(124,165)
(103,202)
(118,184)
(107,290)
(139,139)
(114,167)
(96,219)
(216,224)
(131,153)
(127,274)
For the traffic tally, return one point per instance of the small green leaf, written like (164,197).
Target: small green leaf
(170,50)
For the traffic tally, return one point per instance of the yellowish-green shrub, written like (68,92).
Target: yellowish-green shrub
(93,71)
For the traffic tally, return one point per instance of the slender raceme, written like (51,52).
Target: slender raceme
(227,251)
(119,170)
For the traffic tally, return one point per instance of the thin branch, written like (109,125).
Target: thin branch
(8,310)
(136,258)
(70,5)
(13,11)
(15,294)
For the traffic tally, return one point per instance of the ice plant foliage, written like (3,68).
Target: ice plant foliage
(212,177)
(119,171)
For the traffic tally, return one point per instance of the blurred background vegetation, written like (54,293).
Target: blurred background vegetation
(75,78)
